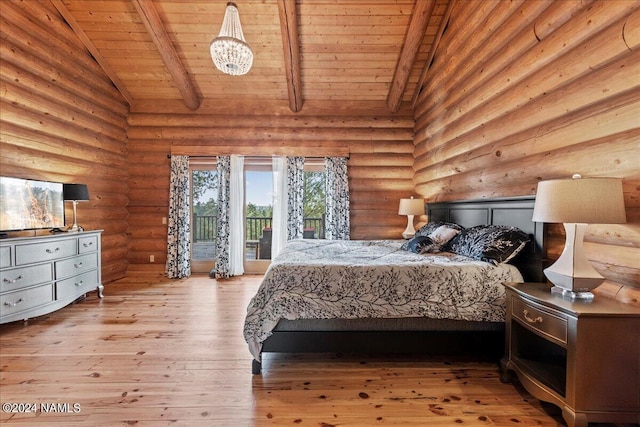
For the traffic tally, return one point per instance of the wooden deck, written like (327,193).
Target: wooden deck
(159,352)
(204,251)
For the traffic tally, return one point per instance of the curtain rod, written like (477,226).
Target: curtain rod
(299,150)
(265,156)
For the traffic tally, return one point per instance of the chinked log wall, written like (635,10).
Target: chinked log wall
(379,145)
(62,120)
(526,91)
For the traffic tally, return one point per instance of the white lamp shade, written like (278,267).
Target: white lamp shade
(577,202)
(411,207)
(580,200)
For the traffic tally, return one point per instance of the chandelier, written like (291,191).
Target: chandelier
(229,51)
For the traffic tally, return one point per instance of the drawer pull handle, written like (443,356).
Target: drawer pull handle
(78,265)
(5,280)
(49,251)
(530,319)
(13,304)
(79,284)
(86,245)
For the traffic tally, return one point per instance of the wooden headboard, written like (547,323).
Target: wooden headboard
(513,211)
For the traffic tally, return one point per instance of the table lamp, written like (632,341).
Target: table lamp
(75,193)
(577,202)
(410,207)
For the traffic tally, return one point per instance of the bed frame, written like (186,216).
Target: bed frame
(446,336)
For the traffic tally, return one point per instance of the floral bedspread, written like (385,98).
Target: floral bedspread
(324,279)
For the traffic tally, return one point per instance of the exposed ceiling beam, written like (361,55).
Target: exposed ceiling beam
(155,28)
(291,46)
(432,52)
(62,9)
(422,11)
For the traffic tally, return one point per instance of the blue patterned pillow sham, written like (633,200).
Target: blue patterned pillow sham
(432,243)
(496,244)
(421,245)
(432,226)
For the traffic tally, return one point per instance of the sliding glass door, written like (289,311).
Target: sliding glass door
(258,209)
(204,196)
(314,201)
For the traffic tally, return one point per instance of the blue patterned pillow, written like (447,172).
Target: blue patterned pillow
(429,228)
(421,245)
(432,226)
(491,243)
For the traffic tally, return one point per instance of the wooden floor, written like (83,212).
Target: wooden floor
(160,352)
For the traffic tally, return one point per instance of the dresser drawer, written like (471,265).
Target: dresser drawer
(73,266)
(87,244)
(5,256)
(45,251)
(540,320)
(16,278)
(15,302)
(76,286)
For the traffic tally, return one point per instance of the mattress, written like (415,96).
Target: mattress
(373,279)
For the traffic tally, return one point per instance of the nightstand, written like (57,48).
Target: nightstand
(583,357)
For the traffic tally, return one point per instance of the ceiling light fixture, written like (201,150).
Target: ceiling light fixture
(229,51)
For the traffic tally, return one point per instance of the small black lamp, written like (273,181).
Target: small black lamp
(75,193)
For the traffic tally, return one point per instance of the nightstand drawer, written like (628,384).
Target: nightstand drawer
(540,320)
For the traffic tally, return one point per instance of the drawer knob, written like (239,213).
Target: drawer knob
(78,265)
(530,319)
(49,251)
(13,304)
(79,284)
(6,280)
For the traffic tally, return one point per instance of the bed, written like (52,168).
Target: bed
(374,297)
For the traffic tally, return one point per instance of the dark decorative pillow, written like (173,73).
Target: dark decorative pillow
(491,243)
(421,245)
(431,243)
(432,226)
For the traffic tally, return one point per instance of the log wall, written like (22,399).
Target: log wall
(551,92)
(518,92)
(379,145)
(62,120)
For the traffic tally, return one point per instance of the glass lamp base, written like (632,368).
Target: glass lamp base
(566,293)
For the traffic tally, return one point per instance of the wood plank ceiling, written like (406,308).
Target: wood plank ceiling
(320,51)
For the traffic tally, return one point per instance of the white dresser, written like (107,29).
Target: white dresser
(42,274)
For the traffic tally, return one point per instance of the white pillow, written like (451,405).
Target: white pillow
(443,234)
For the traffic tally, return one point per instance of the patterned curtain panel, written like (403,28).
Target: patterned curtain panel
(337,226)
(179,227)
(222,268)
(295,206)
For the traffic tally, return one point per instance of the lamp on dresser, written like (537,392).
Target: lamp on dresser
(75,193)
(577,202)
(410,207)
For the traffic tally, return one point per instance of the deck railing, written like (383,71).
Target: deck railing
(204,227)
